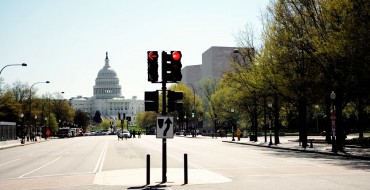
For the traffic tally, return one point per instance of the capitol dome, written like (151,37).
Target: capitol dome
(107,83)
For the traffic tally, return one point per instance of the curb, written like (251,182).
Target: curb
(302,150)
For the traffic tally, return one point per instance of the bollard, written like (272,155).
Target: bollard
(147,169)
(311,145)
(185,169)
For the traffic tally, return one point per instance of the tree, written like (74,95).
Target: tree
(97,117)
(9,108)
(81,119)
(206,87)
(146,119)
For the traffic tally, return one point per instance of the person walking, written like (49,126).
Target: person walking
(238,133)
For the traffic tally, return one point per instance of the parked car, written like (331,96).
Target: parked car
(64,132)
(123,134)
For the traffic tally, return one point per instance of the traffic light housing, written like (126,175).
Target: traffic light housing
(171,66)
(176,65)
(151,101)
(173,101)
(152,66)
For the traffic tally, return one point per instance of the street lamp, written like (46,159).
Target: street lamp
(31,97)
(22,129)
(23,64)
(333,117)
(270,124)
(317,120)
(232,126)
(186,125)
(35,128)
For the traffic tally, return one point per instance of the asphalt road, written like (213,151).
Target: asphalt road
(103,162)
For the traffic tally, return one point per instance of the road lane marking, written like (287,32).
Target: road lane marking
(100,161)
(249,163)
(304,163)
(190,163)
(41,167)
(8,162)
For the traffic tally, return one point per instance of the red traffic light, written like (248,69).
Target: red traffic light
(176,55)
(153,55)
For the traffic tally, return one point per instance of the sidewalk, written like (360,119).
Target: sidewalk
(318,146)
(15,143)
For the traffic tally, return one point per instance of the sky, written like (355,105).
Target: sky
(65,41)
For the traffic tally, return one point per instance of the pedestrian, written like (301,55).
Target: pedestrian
(238,132)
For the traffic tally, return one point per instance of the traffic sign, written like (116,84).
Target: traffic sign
(164,127)
(47,132)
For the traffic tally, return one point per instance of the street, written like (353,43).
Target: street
(103,162)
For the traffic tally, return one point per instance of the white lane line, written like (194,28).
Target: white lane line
(190,163)
(8,162)
(100,157)
(249,163)
(41,167)
(102,161)
(304,163)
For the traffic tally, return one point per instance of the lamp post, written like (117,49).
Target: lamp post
(22,129)
(270,124)
(215,133)
(35,128)
(264,116)
(23,64)
(333,118)
(186,125)
(232,126)
(317,120)
(31,99)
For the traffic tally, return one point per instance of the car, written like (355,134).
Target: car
(123,134)
(64,132)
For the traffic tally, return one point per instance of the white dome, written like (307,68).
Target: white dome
(107,83)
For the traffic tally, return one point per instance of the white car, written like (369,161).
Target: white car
(123,134)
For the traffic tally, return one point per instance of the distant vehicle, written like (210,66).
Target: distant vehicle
(76,132)
(123,134)
(64,132)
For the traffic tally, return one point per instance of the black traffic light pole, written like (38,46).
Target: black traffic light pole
(164,140)
(164,112)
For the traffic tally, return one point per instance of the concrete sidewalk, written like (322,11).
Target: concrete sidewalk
(318,146)
(15,143)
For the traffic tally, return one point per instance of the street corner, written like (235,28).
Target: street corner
(175,176)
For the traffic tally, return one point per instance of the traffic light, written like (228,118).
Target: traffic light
(119,116)
(176,65)
(171,66)
(152,66)
(173,98)
(151,101)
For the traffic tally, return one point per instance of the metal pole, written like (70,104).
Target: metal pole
(164,140)
(185,168)
(147,169)
(264,115)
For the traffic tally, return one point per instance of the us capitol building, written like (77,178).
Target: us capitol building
(107,98)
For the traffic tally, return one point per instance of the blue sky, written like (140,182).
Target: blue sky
(64,41)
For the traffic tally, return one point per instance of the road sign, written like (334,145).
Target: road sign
(164,127)
(47,132)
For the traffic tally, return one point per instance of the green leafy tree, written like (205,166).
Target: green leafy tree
(97,117)
(82,119)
